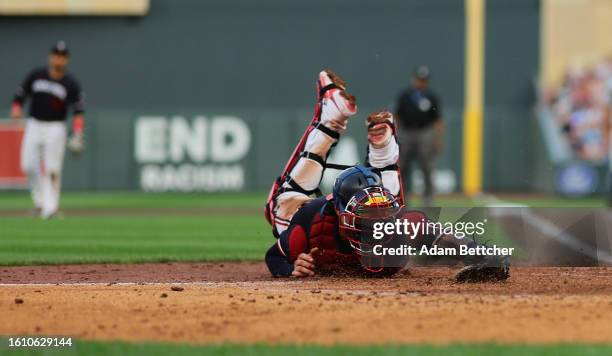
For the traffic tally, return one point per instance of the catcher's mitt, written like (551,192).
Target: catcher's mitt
(491,269)
(76,144)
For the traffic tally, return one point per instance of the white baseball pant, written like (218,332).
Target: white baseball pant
(42,157)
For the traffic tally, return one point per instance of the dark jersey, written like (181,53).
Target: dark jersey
(51,99)
(418,109)
(314,225)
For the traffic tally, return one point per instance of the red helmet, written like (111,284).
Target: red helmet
(368,206)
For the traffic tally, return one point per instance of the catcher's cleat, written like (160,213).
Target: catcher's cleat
(380,128)
(492,269)
(327,77)
(337,105)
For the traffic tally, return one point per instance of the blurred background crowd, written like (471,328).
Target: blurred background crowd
(582,107)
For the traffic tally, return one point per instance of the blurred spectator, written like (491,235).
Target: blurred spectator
(582,106)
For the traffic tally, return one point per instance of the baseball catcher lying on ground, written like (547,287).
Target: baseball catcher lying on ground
(332,234)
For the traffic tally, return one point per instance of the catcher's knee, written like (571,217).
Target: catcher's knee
(286,205)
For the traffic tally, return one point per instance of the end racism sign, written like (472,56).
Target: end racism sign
(201,154)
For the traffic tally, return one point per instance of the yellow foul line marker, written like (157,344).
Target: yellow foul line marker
(473,106)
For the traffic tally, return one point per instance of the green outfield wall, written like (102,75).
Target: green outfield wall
(213,95)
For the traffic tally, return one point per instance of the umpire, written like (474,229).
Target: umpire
(420,130)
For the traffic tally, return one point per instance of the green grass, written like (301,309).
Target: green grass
(85,239)
(151,234)
(138,200)
(557,202)
(255,200)
(119,348)
(118,236)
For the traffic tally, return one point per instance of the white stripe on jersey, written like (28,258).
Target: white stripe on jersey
(47,86)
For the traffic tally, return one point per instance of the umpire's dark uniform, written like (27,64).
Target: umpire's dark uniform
(420,128)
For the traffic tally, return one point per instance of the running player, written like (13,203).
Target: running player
(53,93)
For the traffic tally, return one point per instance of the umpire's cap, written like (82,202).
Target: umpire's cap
(422,72)
(61,48)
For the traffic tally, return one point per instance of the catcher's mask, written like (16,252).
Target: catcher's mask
(368,206)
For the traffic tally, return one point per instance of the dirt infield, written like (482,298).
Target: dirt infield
(239,302)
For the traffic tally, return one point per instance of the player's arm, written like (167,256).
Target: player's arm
(76,143)
(280,266)
(76,100)
(277,262)
(383,150)
(290,256)
(21,94)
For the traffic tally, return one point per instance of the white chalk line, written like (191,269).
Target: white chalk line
(268,287)
(110,284)
(545,227)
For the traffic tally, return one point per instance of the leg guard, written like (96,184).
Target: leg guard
(303,172)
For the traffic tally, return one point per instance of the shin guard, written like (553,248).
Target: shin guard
(304,169)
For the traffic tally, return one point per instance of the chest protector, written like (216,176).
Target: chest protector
(317,226)
(333,255)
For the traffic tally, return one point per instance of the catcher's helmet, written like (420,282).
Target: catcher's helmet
(352,180)
(360,201)
(368,206)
